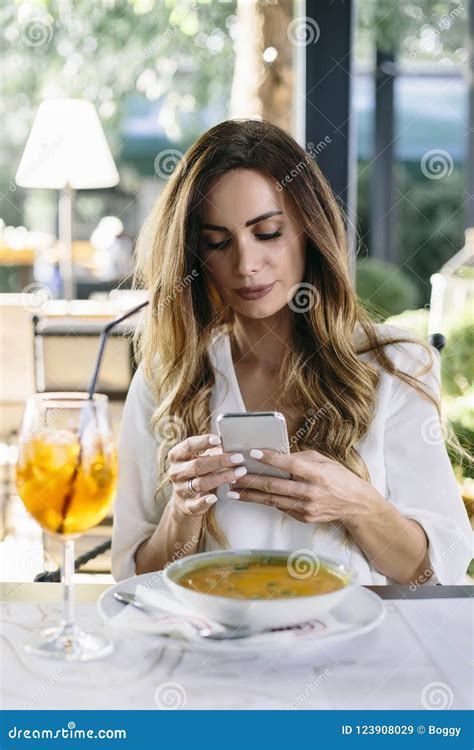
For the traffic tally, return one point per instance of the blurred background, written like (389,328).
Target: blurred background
(99,101)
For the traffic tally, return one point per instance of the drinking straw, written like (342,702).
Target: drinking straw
(104,335)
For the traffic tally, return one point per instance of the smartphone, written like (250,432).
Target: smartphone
(241,431)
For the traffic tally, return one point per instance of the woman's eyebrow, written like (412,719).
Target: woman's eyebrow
(248,223)
(262,217)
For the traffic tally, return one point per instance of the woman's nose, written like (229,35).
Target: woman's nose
(247,259)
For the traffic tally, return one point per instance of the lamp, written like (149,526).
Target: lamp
(66,151)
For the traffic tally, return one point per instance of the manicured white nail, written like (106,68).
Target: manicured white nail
(211,499)
(237,458)
(240,471)
(255,453)
(215,440)
(233,495)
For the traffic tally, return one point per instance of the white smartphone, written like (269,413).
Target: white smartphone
(241,431)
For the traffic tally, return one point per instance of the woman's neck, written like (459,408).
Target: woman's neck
(261,344)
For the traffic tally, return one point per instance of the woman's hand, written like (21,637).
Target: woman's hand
(209,468)
(320,489)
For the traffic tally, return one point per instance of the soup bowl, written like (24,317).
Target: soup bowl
(259,588)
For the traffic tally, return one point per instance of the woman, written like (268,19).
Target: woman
(371,483)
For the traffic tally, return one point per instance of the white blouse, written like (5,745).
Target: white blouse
(403,450)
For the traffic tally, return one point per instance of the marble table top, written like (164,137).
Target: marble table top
(419,657)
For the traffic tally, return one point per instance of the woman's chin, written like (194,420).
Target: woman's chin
(257,311)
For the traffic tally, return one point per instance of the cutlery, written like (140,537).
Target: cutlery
(204,632)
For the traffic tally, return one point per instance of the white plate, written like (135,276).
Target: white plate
(359,613)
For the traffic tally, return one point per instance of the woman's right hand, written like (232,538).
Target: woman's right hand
(209,467)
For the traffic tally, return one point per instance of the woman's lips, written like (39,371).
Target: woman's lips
(255,294)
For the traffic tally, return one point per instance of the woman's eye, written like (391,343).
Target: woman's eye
(216,245)
(224,243)
(271,236)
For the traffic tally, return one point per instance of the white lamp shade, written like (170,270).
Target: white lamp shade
(67,146)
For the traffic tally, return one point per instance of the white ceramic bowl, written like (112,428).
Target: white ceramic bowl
(259,614)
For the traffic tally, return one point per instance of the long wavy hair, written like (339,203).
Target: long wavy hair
(322,366)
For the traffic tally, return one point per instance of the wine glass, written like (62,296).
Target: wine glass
(66,476)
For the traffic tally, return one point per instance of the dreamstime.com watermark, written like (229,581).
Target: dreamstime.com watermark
(445,553)
(180,286)
(302,31)
(181,551)
(170,427)
(312,685)
(303,297)
(37,30)
(437,696)
(170,696)
(313,150)
(36,297)
(430,36)
(71,732)
(43,688)
(48,149)
(166,162)
(303,563)
(436,164)
(323,411)
(159,42)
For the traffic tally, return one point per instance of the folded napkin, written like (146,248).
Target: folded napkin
(166,616)
(131,620)
(167,605)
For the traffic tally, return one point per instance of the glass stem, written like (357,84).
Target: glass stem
(68,589)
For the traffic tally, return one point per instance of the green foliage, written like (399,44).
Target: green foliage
(457,356)
(457,375)
(461,416)
(458,360)
(119,55)
(398,26)
(383,288)
(430,222)
(412,320)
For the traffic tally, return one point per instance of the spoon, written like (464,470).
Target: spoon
(125,598)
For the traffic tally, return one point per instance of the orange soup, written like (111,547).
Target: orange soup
(260,578)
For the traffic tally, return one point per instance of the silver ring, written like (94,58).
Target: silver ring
(190,486)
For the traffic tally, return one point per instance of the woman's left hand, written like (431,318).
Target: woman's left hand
(320,489)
